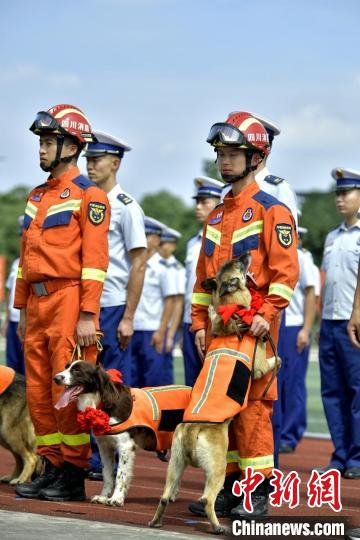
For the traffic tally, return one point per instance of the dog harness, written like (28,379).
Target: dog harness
(160,409)
(222,387)
(7,376)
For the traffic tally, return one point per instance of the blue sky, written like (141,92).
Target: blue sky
(159,73)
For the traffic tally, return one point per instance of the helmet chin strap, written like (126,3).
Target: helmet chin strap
(231,178)
(60,143)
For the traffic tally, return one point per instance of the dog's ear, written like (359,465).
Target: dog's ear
(107,388)
(209,284)
(244,261)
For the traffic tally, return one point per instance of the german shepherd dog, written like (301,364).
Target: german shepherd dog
(205,445)
(17,431)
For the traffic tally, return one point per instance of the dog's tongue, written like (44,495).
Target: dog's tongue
(68,395)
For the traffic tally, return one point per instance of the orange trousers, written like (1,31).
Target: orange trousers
(49,344)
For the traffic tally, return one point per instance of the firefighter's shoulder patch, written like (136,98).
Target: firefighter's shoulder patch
(284,233)
(96,212)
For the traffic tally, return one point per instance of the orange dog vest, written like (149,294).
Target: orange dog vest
(160,409)
(7,376)
(222,387)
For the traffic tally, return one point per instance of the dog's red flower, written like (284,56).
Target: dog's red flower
(94,419)
(115,375)
(226,311)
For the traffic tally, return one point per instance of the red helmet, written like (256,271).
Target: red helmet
(63,120)
(241,130)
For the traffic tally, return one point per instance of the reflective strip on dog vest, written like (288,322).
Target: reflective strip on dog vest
(93,273)
(203,299)
(281,290)
(244,232)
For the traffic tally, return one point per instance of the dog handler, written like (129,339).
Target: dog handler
(248,220)
(63,262)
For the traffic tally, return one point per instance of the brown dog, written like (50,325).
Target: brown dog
(16,429)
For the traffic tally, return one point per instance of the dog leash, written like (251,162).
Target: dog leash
(77,355)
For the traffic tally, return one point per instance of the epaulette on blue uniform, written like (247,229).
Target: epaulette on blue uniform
(274,180)
(125,199)
(83,182)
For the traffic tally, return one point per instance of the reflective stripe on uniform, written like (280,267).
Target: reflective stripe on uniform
(19,273)
(30,210)
(281,290)
(244,232)
(48,440)
(93,273)
(213,234)
(203,299)
(262,462)
(75,440)
(72,205)
(57,438)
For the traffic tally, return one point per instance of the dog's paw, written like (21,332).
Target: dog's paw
(220,529)
(117,500)
(154,524)
(99,499)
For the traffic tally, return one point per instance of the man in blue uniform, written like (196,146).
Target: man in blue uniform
(14,349)
(125,275)
(339,360)
(168,242)
(208,195)
(300,315)
(153,314)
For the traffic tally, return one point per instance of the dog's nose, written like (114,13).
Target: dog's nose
(59,379)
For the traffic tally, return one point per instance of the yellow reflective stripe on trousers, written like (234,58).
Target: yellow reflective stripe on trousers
(232,456)
(249,230)
(74,204)
(19,273)
(48,440)
(30,210)
(262,462)
(57,438)
(213,234)
(75,440)
(93,273)
(281,290)
(202,299)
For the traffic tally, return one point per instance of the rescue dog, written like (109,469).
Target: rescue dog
(17,431)
(93,387)
(230,287)
(205,445)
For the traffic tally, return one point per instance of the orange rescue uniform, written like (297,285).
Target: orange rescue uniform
(257,222)
(160,409)
(63,263)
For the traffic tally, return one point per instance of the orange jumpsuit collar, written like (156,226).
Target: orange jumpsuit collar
(69,175)
(250,190)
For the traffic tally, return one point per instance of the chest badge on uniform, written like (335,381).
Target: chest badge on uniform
(216,219)
(65,194)
(284,234)
(96,212)
(248,214)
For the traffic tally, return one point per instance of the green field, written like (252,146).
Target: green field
(316,418)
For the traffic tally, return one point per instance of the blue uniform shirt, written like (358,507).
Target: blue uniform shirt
(126,232)
(295,310)
(340,264)
(192,255)
(282,190)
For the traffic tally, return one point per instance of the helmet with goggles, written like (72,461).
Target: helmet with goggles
(240,130)
(63,121)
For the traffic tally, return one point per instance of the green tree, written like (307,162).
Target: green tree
(12,205)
